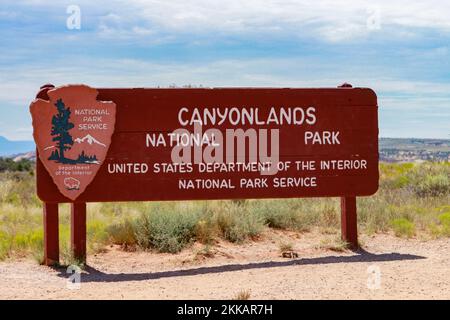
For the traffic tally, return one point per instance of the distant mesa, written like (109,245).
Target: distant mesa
(10,148)
(31,156)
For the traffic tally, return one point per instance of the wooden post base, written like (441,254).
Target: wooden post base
(349,222)
(78,231)
(51,234)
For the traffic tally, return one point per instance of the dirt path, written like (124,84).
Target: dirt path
(409,269)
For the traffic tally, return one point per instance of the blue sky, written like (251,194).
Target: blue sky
(401,49)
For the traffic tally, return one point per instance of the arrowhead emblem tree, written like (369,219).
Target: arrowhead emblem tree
(60,131)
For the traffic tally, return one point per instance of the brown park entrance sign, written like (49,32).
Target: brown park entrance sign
(190,144)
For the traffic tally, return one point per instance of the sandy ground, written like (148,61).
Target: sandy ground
(408,269)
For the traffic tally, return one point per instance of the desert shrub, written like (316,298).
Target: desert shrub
(97,235)
(409,191)
(445,219)
(5,189)
(285,214)
(433,186)
(5,244)
(166,231)
(236,223)
(18,188)
(20,230)
(282,219)
(330,217)
(205,230)
(445,223)
(403,227)
(395,176)
(373,214)
(401,181)
(242,228)
(123,233)
(31,243)
(29,240)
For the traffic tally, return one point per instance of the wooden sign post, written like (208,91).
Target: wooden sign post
(104,145)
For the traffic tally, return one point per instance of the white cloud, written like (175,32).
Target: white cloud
(428,101)
(330,20)
(24,81)
(326,20)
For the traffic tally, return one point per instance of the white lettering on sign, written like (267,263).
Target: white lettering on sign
(128,168)
(324,137)
(343,164)
(254,183)
(290,182)
(91,112)
(205,184)
(89,126)
(92,119)
(247,116)
(231,150)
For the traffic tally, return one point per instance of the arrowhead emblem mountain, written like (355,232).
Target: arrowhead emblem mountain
(90,140)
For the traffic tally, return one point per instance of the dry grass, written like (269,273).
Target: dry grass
(413,200)
(204,253)
(242,295)
(334,244)
(286,246)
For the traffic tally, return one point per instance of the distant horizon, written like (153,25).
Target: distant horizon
(31,140)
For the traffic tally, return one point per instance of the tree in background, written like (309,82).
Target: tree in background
(8,164)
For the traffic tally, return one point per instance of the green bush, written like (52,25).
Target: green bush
(284,214)
(29,240)
(97,235)
(8,164)
(205,230)
(445,219)
(434,186)
(401,181)
(18,188)
(239,228)
(5,244)
(166,231)
(403,227)
(445,222)
(123,233)
(236,223)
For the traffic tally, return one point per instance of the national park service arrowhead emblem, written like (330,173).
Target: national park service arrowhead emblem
(72,131)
